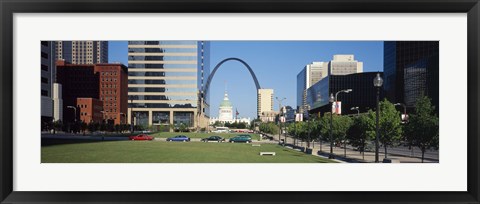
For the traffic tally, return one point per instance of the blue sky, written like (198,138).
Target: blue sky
(275,63)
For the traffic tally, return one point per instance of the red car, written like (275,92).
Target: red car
(141,137)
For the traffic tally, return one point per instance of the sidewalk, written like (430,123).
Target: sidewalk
(353,156)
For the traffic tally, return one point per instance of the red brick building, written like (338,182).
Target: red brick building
(90,110)
(113,91)
(78,81)
(105,82)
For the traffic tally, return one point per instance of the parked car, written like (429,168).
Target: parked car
(213,139)
(241,138)
(178,138)
(141,137)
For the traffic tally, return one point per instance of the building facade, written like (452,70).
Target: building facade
(165,80)
(57,102)
(344,64)
(225,110)
(310,74)
(90,110)
(264,103)
(104,82)
(411,69)
(113,91)
(82,52)
(47,79)
(363,95)
(77,81)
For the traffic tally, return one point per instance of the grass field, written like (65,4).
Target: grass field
(202,135)
(172,152)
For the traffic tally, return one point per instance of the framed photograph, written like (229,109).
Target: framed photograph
(252,102)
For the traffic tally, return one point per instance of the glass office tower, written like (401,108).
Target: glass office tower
(165,79)
(411,69)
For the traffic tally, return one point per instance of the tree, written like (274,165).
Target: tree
(390,124)
(340,124)
(361,131)
(83,127)
(422,129)
(57,126)
(91,127)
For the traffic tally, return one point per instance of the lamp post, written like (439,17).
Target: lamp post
(336,96)
(131,115)
(357,109)
(404,109)
(75,113)
(377,82)
(307,107)
(285,124)
(280,111)
(332,99)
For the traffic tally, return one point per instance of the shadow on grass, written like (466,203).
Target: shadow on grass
(51,142)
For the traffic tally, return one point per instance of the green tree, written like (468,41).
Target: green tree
(361,131)
(57,126)
(422,129)
(340,126)
(390,124)
(83,127)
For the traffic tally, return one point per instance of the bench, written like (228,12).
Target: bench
(255,145)
(267,153)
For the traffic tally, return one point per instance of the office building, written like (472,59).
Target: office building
(165,80)
(90,110)
(411,69)
(113,91)
(82,52)
(310,74)
(105,82)
(344,64)
(316,71)
(47,78)
(363,95)
(57,102)
(265,104)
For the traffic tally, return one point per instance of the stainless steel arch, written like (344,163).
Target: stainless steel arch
(205,90)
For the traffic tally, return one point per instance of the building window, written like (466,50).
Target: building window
(44,67)
(44,55)
(45,43)
(44,93)
(44,80)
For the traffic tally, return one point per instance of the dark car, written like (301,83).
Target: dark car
(241,138)
(178,138)
(141,137)
(213,139)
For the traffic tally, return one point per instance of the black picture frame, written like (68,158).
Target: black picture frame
(10,7)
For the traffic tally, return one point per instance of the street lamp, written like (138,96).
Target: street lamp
(131,115)
(336,95)
(280,111)
(404,109)
(377,82)
(308,122)
(75,113)
(332,99)
(357,109)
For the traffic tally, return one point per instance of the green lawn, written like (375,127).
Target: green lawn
(203,135)
(171,152)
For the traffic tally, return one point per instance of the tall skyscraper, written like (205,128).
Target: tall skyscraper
(264,101)
(82,52)
(310,74)
(165,82)
(411,70)
(47,79)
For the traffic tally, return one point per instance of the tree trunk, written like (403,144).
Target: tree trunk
(423,153)
(385,150)
(345,148)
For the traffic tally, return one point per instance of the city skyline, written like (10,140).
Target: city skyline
(285,57)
